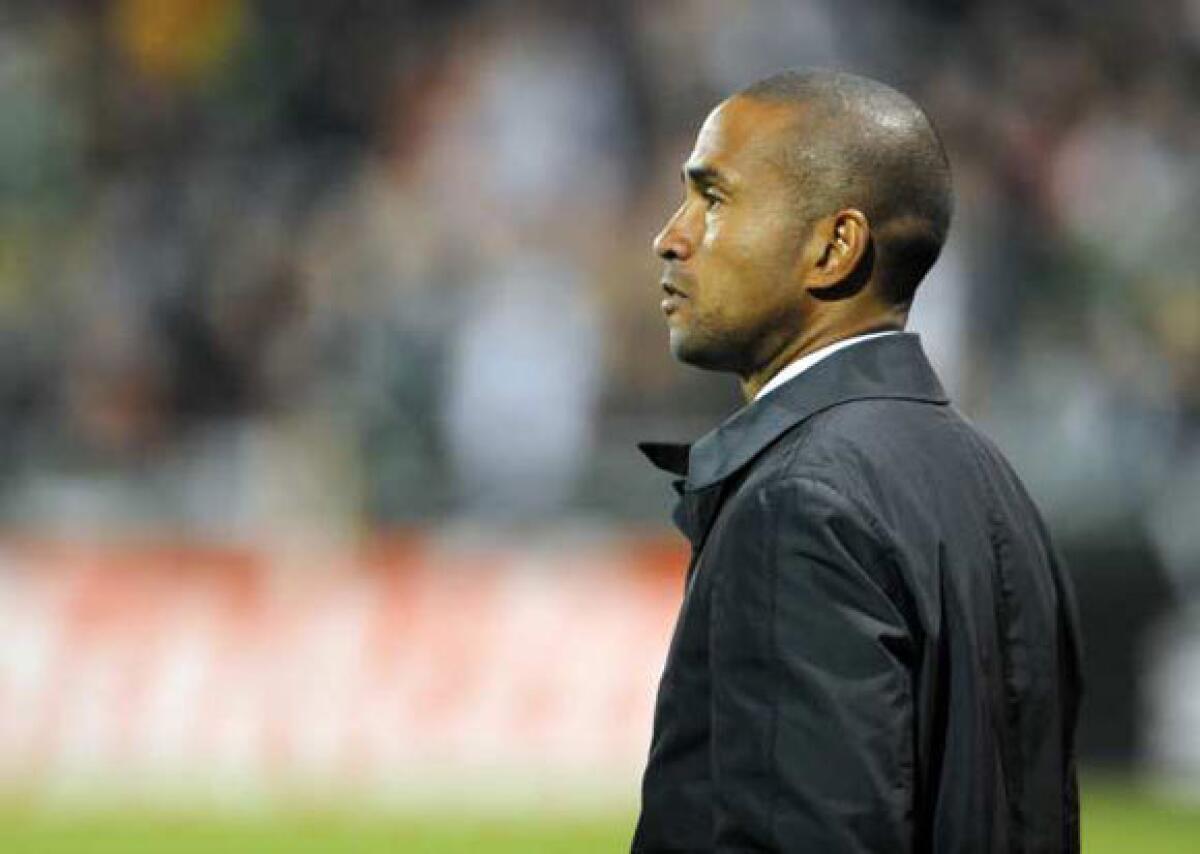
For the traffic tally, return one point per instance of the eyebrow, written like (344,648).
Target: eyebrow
(703,176)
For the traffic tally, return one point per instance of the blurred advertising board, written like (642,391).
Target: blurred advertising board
(407,669)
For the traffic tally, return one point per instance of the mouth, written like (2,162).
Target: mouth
(674,296)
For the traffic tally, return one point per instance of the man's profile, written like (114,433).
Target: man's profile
(877,647)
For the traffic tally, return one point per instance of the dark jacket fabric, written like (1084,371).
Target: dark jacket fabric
(877,649)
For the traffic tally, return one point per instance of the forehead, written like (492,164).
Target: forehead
(742,137)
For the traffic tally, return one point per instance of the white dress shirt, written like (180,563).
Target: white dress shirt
(794,369)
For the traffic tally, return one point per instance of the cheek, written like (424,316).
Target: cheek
(749,254)
(747,235)
(730,243)
(714,229)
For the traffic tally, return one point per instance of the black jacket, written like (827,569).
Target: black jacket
(877,648)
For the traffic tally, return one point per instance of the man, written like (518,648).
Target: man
(877,648)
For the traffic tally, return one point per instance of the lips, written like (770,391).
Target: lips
(673,295)
(672,299)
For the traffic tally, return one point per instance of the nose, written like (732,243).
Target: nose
(673,243)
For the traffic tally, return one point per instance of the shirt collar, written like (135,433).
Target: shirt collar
(799,366)
(882,366)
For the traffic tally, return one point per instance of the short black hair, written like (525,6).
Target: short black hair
(860,143)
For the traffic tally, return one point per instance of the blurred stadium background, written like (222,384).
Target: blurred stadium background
(328,330)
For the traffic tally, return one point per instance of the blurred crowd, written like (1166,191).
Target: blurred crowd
(326,267)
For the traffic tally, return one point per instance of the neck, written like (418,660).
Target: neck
(809,341)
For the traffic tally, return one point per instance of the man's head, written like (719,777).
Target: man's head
(815,203)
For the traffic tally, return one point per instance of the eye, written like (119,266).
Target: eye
(711,199)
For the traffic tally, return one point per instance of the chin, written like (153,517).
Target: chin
(699,353)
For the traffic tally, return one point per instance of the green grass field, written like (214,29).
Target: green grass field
(1117,818)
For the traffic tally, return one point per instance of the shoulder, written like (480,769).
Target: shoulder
(805,504)
(876,462)
(859,443)
(805,527)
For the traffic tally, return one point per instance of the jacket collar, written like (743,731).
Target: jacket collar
(894,366)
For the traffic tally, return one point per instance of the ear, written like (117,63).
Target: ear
(844,240)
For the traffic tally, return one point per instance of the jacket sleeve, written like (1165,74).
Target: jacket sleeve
(812,709)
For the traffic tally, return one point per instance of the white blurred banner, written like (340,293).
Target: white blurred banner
(407,670)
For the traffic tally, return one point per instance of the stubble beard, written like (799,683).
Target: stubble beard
(732,350)
(706,349)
